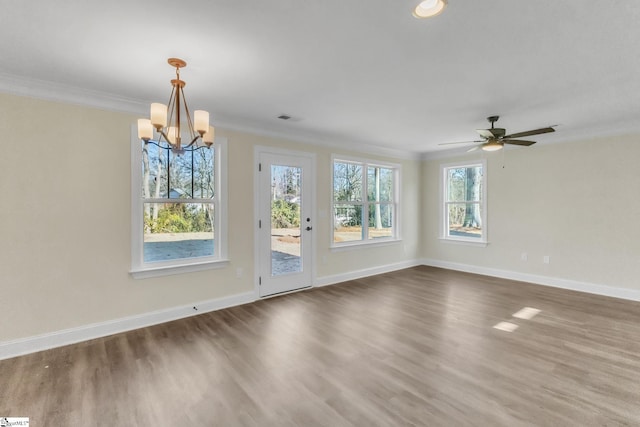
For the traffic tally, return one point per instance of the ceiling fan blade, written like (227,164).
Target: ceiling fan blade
(474,148)
(459,142)
(530,133)
(518,142)
(485,133)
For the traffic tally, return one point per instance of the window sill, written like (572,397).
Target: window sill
(362,244)
(482,243)
(147,272)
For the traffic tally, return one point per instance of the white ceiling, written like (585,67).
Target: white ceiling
(349,71)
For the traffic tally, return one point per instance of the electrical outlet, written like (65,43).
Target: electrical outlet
(239,272)
(545,259)
(524,256)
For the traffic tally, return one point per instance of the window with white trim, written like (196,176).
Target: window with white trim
(178,217)
(365,202)
(464,198)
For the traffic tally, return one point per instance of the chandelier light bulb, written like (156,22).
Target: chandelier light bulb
(158,115)
(145,129)
(208,136)
(201,121)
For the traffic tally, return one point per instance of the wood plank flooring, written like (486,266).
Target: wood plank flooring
(413,347)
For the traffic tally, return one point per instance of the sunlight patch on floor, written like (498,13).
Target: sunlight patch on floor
(526,313)
(506,326)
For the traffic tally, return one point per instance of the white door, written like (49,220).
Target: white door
(285,222)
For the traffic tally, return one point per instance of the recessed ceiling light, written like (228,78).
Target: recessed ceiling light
(429,8)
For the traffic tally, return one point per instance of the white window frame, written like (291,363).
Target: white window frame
(365,164)
(141,269)
(444,203)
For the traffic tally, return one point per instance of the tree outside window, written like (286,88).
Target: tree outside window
(364,201)
(464,202)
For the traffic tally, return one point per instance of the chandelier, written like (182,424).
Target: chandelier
(172,122)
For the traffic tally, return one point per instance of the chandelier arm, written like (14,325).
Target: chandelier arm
(193,141)
(171,106)
(178,134)
(189,121)
(166,138)
(157,144)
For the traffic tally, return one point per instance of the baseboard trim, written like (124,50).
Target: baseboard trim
(574,285)
(359,274)
(19,347)
(22,346)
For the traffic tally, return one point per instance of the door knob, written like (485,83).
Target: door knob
(308,228)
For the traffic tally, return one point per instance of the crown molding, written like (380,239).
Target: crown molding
(322,141)
(57,92)
(33,88)
(40,89)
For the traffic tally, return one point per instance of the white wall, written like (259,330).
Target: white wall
(65,221)
(577,202)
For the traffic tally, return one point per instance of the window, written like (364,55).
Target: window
(178,208)
(365,202)
(464,202)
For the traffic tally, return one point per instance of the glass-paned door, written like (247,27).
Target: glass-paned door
(285,223)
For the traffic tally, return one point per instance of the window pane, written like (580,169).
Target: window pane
(380,221)
(286,194)
(154,171)
(204,173)
(347,182)
(380,184)
(191,173)
(464,184)
(347,225)
(177,230)
(464,220)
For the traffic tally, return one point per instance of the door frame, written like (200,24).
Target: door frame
(258,150)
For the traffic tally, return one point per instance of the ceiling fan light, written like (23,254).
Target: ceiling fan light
(492,146)
(429,8)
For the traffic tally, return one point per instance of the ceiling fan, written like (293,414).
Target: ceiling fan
(494,139)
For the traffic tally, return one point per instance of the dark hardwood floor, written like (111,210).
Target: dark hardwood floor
(413,347)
